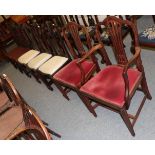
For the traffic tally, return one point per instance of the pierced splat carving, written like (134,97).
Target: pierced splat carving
(114,29)
(71,32)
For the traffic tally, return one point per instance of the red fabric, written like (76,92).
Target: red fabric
(108,85)
(17,52)
(71,74)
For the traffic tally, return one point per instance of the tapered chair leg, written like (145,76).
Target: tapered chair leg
(87,104)
(145,88)
(61,90)
(53,133)
(36,77)
(126,120)
(44,80)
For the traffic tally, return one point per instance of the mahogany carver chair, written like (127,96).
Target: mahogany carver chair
(74,75)
(13,99)
(20,120)
(115,85)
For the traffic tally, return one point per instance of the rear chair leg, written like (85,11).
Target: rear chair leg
(25,71)
(61,90)
(145,88)
(126,120)
(46,82)
(36,76)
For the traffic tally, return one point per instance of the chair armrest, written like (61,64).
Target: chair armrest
(88,54)
(132,60)
(125,75)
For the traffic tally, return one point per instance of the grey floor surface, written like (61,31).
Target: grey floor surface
(71,118)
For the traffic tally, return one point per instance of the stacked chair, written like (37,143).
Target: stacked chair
(18,119)
(77,67)
(31,62)
(44,70)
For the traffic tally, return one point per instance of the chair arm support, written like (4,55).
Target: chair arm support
(125,75)
(88,54)
(132,60)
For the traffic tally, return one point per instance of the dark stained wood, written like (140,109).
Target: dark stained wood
(77,20)
(84,21)
(73,30)
(33,124)
(66,19)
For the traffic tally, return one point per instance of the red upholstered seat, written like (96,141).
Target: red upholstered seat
(108,85)
(71,74)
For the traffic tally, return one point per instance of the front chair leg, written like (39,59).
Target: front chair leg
(126,120)
(145,88)
(61,90)
(87,104)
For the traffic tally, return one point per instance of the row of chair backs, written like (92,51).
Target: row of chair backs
(44,37)
(87,21)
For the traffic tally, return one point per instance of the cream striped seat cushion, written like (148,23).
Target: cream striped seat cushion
(52,65)
(38,60)
(25,58)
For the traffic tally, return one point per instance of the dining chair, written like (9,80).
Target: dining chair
(72,76)
(18,111)
(25,44)
(115,85)
(44,65)
(19,117)
(38,56)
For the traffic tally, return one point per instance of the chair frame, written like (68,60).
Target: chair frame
(46,41)
(117,42)
(31,119)
(73,29)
